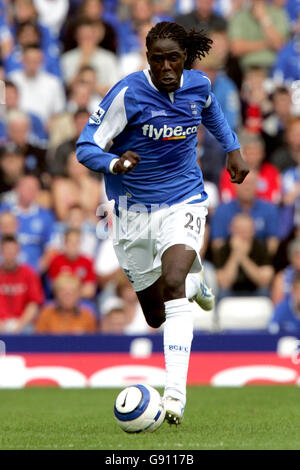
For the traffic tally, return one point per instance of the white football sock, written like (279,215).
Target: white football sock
(178,335)
(192,285)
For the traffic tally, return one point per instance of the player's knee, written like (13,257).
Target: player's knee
(174,286)
(156,320)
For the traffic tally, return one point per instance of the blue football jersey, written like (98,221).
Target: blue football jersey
(35,227)
(162,129)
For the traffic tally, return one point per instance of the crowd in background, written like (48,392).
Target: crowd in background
(58,58)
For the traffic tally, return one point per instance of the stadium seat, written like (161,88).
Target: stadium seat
(204,320)
(244,313)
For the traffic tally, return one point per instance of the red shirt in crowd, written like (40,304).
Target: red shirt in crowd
(268,184)
(17,289)
(82,267)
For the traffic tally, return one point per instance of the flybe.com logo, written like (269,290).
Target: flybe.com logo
(167,133)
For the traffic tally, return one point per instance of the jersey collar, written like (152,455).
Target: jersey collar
(148,76)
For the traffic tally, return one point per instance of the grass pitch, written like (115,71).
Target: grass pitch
(253,417)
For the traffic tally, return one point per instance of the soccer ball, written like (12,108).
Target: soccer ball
(139,408)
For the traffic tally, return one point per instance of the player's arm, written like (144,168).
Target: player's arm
(214,120)
(104,125)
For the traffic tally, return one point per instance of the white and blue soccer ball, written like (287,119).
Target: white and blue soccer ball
(139,408)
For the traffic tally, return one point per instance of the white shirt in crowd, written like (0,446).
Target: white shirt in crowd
(104,62)
(42,94)
(52,13)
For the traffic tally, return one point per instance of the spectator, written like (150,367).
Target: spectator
(66,315)
(275,123)
(133,61)
(20,290)
(81,96)
(40,93)
(268,179)
(37,133)
(211,156)
(88,76)
(72,262)
(35,223)
(255,98)
(287,65)
(88,53)
(28,34)
(222,54)
(258,33)
(139,13)
(8,224)
(107,265)
(286,316)
(135,320)
(62,152)
(12,166)
(79,187)
(202,18)
(52,14)
(242,263)
(25,10)
(93,10)
(114,320)
(288,155)
(75,219)
(292,8)
(223,87)
(291,196)
(283,280)
(264,214)
(227,8)
(287,68)
(19,134)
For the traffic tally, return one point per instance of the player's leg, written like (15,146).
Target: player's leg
(152,303)
(178,328)
(165,300)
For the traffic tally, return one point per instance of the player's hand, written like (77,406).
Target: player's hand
(127,162)
(237,167)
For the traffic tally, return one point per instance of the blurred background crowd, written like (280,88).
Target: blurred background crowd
(58,58)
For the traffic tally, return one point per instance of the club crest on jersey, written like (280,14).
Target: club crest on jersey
(95,118)
(193,108)
(167,133)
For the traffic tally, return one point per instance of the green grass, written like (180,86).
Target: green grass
(253,417)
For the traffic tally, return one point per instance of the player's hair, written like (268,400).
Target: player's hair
(195,43)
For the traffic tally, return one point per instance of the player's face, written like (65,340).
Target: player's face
(166,60)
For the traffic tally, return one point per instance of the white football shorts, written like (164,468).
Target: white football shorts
(141,238)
